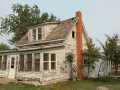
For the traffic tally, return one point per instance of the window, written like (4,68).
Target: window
(0,62)
(12,62)
(73,34)
(34,34)
(45,61)
(29,62)
(4,62)
(21,63)
(37,34)
(37,62)
(53,61)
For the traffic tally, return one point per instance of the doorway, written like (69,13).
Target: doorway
(12,67)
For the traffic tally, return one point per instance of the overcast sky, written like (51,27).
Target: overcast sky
(99,16)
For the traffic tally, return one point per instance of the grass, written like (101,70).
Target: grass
(92,84)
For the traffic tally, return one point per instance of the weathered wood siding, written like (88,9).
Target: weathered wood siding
(46,75)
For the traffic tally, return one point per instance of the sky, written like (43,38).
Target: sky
(99,16)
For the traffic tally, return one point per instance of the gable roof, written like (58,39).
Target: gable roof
(23,40)
(60,32)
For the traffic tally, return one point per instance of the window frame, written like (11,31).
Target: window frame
(37,33)
(46,61)
(36,62)
(4,62)
(53,61)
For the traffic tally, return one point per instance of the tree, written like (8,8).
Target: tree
(112,50)
(69,58)
(4,47)
(22,17)
(92,54)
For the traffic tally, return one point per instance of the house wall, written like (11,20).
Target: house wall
(45,75)
(105,68)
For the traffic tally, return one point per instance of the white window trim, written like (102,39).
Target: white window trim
(36,34)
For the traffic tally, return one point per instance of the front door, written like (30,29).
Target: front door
(12,67)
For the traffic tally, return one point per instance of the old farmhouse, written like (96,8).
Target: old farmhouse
(42,51)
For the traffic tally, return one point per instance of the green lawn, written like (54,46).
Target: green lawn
(93,84)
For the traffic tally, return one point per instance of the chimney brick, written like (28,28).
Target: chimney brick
(79,45)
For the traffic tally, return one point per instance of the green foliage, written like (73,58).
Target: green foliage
(4,46)
(23,17)
(92,54)
(69,57)
(112,49)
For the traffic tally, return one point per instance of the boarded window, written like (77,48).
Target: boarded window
(53,61)
(39,33)
(37,62)
(29,62)
(45,61)
(0,62)
(21,62)
(34,34)
(4,62)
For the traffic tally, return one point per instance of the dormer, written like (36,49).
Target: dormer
(41,31)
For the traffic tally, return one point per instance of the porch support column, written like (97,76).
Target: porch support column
(41,68)
(49,61)
(33,62)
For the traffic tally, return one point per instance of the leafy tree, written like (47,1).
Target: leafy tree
(4,47)
(92,54)
(69,58)
(22,17)
(112,50)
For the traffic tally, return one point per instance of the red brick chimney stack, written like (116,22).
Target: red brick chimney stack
(79,45)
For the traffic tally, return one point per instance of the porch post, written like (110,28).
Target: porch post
(41,68)
(33,62)
(49,61)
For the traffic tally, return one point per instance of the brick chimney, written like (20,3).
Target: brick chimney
(79,45)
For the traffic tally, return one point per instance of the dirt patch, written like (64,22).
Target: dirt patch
(7,80)
(102,88)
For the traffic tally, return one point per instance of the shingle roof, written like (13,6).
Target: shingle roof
(60,32)
(23,40)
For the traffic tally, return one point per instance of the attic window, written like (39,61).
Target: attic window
(39,33)
(73,34)
(36,34)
